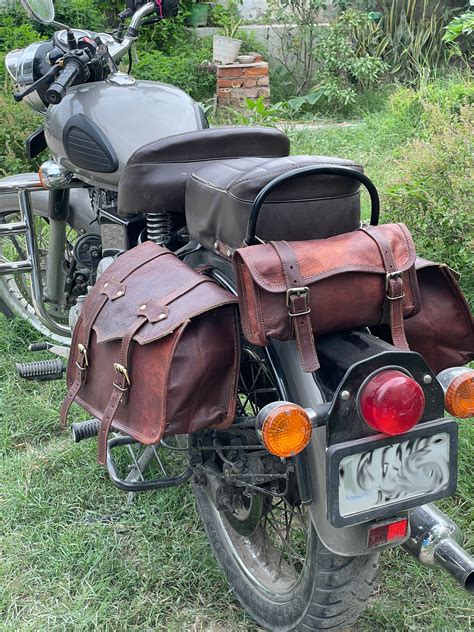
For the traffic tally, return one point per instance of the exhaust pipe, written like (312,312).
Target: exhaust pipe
(435,541)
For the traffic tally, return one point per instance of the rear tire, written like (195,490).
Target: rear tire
(331,594)
(278,568)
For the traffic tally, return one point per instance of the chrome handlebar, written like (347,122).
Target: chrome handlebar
(132,30)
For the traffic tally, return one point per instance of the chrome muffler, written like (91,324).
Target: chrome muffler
(435,541)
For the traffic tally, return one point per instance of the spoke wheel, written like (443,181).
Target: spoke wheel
(278,568)
(267,534)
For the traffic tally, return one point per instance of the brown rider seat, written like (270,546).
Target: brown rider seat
(219,198)
(154,179)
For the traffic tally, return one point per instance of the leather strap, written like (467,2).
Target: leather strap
(122,383)
(184,289)
(393,305)
(121,386)
(299,306)
(92,308)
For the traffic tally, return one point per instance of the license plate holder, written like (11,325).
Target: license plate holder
(378,476)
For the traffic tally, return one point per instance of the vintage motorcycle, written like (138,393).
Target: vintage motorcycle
(297,532)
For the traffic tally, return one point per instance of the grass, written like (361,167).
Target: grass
(148,566)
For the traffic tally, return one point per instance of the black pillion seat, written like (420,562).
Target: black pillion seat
(219,198)
(154,179)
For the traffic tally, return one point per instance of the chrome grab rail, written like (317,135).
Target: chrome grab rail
(31,263)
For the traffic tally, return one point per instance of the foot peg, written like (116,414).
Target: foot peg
(41,371)
(85,430)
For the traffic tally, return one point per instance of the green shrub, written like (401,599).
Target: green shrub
(347,63)
(434,189)
(413,30)
(16,122)
(186,69)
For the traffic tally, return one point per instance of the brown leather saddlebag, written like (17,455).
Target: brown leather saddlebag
(155,350)
(296,289)
(442,331)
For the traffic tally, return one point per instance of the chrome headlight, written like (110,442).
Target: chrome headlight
(19,64)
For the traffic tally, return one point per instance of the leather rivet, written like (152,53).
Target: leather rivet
(120,293)
(161,316)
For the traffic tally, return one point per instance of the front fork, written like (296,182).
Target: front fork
(55,271)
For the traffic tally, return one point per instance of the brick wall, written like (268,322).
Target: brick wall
(236,82)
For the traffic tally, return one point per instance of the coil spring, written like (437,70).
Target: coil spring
(158,227)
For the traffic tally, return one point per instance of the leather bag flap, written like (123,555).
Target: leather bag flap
(165,292)
(322,258)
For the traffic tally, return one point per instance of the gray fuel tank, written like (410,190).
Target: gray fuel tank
(97,126)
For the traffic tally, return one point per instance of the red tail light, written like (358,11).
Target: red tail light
(391,402)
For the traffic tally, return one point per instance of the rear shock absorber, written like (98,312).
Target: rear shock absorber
(159,227)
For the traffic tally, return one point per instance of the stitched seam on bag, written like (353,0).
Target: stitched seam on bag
(242,300)
(230,413)
(326,273)
(258,303)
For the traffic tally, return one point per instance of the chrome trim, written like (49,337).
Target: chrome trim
(436,542)
(15,228)
(27,181)
(120,79)
(15,266)
(20,66)
(32,264)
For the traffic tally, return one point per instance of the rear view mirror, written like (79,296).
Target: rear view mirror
(40,10)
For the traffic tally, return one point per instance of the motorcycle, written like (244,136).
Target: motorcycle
(299,546)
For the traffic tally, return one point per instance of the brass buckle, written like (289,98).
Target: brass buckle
(296,290)
(119,368)
(392,276)
(388,277)
(85,359)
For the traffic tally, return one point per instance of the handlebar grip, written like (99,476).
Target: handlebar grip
(57,90)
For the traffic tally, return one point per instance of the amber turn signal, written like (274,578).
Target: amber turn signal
(458,386)
(284,428)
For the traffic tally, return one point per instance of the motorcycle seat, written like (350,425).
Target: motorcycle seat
(154,179)
(219,198)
